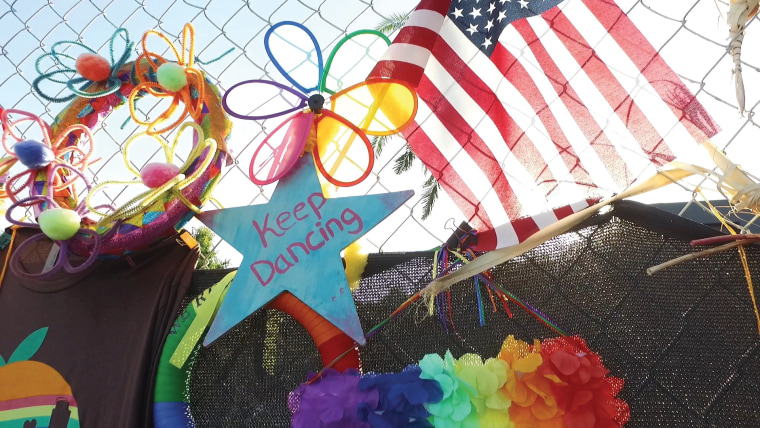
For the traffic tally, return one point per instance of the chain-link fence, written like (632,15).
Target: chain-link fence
(690,35)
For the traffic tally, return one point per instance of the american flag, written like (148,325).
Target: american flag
(532,109)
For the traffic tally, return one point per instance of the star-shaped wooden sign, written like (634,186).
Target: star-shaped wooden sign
(293,243)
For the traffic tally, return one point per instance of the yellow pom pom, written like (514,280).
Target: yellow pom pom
(356,261)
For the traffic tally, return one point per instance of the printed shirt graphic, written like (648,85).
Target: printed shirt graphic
(33,394)
(98,335)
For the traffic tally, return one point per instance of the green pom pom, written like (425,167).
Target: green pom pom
(171,76)
(59,224)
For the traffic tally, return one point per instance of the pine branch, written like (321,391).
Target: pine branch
(429,195)
(393,22)
(379,142)
(404,162)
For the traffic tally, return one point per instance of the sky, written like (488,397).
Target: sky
(690,36)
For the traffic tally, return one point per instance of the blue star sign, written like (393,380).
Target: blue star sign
(293,244)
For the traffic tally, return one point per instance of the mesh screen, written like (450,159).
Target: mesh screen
(685,339)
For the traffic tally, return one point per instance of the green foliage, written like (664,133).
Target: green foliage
(378,143)
(429,195)
(393,22)
(209,258)
(404,161)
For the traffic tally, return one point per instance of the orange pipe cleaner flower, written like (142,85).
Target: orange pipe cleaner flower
(179,80)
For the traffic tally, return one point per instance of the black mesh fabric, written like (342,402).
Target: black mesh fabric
(684,340)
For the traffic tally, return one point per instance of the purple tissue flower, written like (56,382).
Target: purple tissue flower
(333,401)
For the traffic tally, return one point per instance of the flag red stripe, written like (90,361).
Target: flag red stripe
(439,6)
(472,143)
(604,149)
(616,95)
(403,71)
(452,183)
(660,76)
(514,137)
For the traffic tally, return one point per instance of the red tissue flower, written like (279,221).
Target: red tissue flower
(584,392)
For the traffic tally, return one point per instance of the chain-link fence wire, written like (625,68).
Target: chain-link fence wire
(690,35)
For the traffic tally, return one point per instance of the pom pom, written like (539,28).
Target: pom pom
(59,224)
(332,401)
(171,76)
(33,154)
(93,67)
(156,174)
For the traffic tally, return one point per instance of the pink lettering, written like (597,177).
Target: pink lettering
(315,207)
(282,218)
(349,217)
(255,271)
(263,231)
(299,207)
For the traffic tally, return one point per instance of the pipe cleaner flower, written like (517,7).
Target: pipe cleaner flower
(584,392)
(487,380)
(337,138)
(180,81)
(60,224)
(455,409)
(402,398)
(47,163)
(164,180)
(97,76)
(533,403)
(333,401)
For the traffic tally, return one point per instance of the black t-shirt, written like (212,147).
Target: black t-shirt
(99,332)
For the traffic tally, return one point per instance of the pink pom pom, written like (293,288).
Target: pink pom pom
(156,174)
(93,67)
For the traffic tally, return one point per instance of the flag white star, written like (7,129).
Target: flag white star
(491,7)
(504,1)
(487,42)
(502,16)
(489,25)
(473,29)
(523,4)
(475,12)
(457,13)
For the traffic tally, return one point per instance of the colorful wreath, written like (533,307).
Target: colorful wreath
(68,144)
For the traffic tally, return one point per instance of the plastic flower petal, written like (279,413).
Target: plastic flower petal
(97,75)
(178,81)
(338,140)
